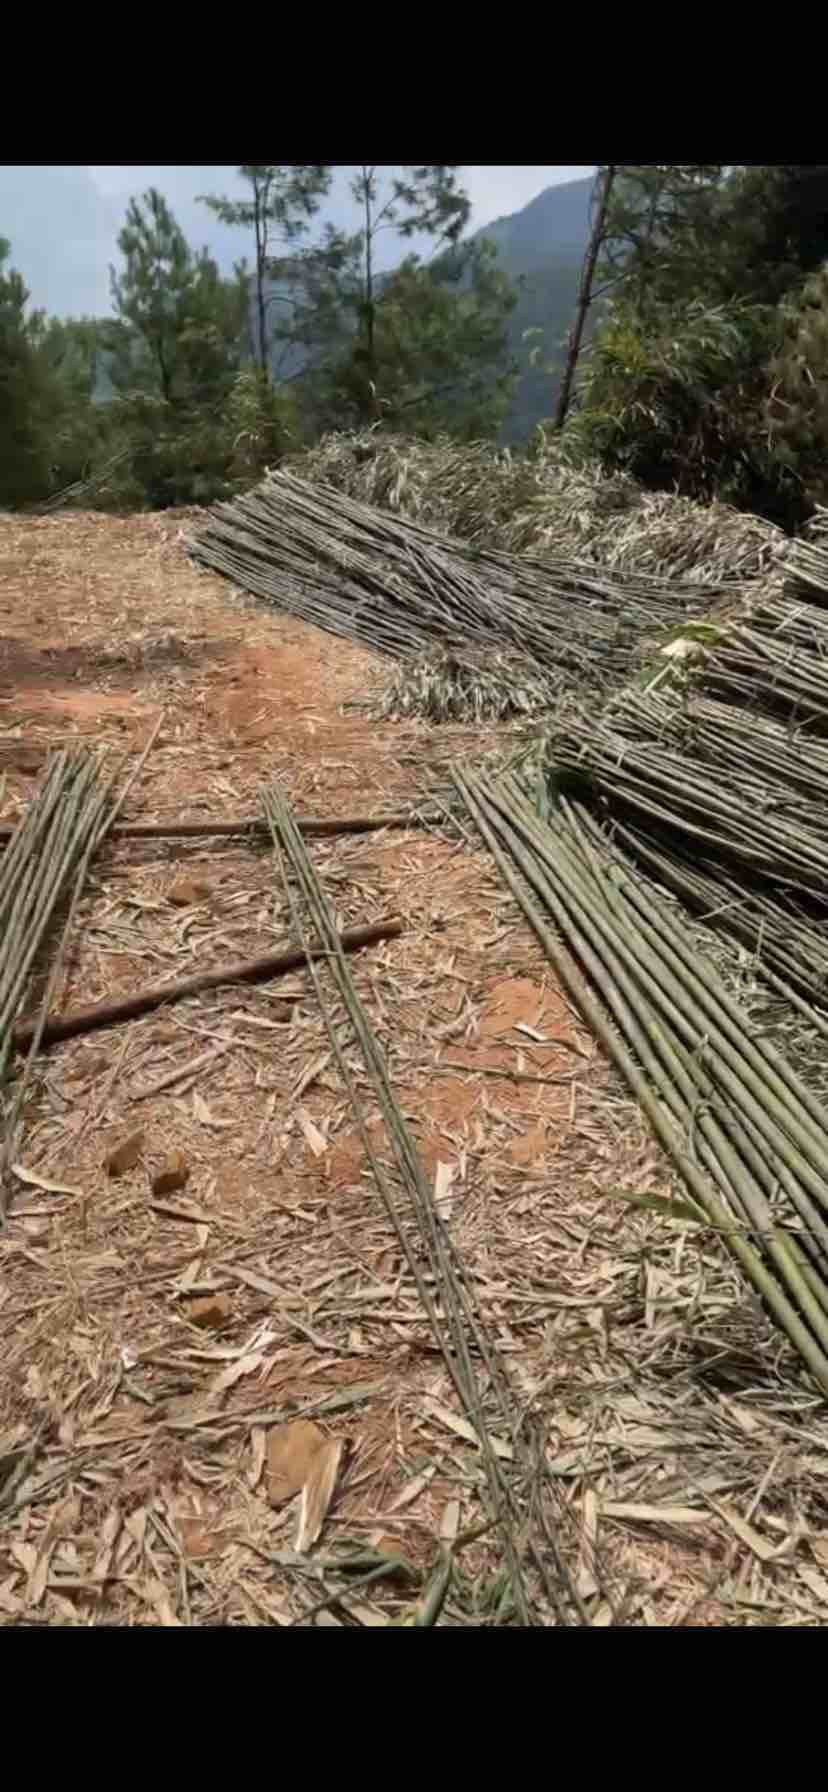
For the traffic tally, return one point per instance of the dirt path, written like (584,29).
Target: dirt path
(148,1344)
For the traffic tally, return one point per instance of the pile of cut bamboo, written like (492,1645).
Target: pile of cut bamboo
(401,589)
(748,1137)
(716,780)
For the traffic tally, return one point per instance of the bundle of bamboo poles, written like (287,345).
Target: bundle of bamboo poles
(746,816)
(748,1137)
(394,586)
(715,776)
(35,871)
(471,1356)
(43,870)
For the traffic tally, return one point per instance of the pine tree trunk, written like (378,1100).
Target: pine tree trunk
(370,350)
(584,294)
(261,266)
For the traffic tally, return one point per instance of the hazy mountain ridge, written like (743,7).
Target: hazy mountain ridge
(542,247)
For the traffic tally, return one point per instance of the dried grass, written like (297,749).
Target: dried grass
(540,504)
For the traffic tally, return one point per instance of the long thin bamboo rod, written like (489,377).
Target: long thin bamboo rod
(666,1131)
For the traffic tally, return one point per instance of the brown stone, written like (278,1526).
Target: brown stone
(187,891)
(174,1174)
(125,1156)
(209,1311)
(291,1453)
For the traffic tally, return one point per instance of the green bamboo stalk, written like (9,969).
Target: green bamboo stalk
(698,1184)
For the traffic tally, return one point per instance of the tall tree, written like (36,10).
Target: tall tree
(23,453)
(179,326)
(152,292)
(601,196)
(69,352)
(332,297)
(419,201)
(280,203)
(659,226)
(776,230)
(440,349)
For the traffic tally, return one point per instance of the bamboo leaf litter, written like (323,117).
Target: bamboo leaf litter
(434,1263)
(748,1138)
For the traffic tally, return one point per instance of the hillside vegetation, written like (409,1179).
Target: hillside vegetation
(703,372)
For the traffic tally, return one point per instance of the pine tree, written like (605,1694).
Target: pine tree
(151,296)
(281,201)
(24,464)
(440,350)
(337,329)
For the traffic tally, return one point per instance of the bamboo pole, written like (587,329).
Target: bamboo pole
(252,970)
(319,825)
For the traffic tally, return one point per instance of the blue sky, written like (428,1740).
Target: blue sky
(63,220)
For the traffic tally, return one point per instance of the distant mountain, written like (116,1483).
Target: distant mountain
(541,246)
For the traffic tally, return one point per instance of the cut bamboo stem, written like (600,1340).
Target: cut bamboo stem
(252,970)
(319,825)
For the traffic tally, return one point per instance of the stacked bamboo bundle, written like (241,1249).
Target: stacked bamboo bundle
(716,780)
(43,865)
(748,1137)
(36,868)
(519,1488)
(394,586)
(42,873)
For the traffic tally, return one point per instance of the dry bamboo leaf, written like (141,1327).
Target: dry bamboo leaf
(24,1554)
(317,1494)
(10,1603)
(33,1180)
(760,1546)
(236,1372)
(642,1514)
(182,1210)
(450,1521)
(135,1524)
(586,1583)
(291,1452)
(746,1420)
(816,1583)
(262,1284)
(819,1545)
(109,1535)
(36,1585)
(368,1615)
(412,1490)
(317,1141)
(157,1596)
(258,1447)
(462,1428)
(443,1203)
(203,1114)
